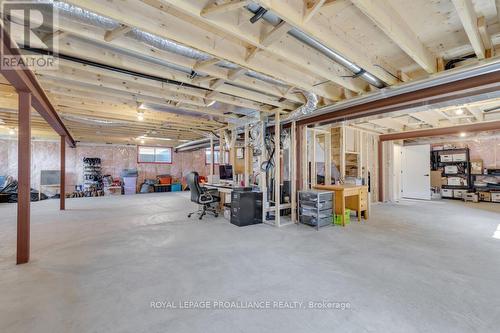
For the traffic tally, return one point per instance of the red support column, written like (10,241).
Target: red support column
(381,171)
(62,182)
(23,177)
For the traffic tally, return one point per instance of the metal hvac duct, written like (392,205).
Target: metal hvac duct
(446,77)
(196,144)
(306,39)
(305,109)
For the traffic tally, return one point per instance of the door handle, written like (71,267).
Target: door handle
(426,175)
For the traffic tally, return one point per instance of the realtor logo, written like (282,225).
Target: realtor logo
(31,27)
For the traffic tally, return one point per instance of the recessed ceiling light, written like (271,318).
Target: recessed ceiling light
(12,131)
(463,134)
(459,112)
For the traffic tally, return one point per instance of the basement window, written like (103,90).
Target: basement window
(158,155)
(208,156)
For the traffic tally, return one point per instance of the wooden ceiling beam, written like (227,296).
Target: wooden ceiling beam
(392,23)
(388,123)
(132,46)
(311,8)
(81,48)
(59,34)
(182,30)
(91,93)
(485,37)
(202,64)
(223,98)
(215,85)
(117,32)
(475,127)
(228,5)
(429,117)
(322,30)
(236,73)
(78,86)
(262,37)
(275,34)
(468,17)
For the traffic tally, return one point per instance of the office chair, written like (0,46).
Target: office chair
(206,199)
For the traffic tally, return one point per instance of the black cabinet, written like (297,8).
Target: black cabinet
(246,208)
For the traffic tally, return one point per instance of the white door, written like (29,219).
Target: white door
(396,173)
(415,172)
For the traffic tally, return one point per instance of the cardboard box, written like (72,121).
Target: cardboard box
(436,179)
(484,196)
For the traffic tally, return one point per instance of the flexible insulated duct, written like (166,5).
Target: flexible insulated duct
(305,109)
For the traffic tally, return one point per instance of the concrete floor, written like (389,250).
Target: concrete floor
(414,267)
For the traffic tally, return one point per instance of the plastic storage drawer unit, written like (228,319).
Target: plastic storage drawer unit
(316,208)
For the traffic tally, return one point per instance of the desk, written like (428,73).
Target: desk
(222,188)
(353,197)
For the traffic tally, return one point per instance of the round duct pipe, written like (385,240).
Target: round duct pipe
(196,144)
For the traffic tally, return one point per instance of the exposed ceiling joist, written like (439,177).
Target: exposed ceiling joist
(429,117)
(201,64)
(235,73)
(485,36)
(392,23)
(117,32)
(322,30)
(388,123)
(275,34)
(468,17)
(224,7)
(289,49)
(58,34)
(311,8)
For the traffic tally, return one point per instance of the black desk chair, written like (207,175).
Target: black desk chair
(206,199)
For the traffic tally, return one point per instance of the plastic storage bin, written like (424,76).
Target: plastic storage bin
(347,218)
(447,193)
(176,187)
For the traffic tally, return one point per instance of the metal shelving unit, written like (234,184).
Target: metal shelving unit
(464,168)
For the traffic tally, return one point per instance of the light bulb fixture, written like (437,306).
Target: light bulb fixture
(12,131)
(140,115)
(142,141)
(463,134)
(459,112)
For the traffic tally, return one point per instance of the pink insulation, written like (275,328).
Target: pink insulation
(115,158)
(486,149)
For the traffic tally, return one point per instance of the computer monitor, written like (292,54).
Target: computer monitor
(226,172)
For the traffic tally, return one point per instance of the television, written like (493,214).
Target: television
(226,172)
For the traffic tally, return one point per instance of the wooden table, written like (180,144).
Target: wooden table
(223,191)
(353,197)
